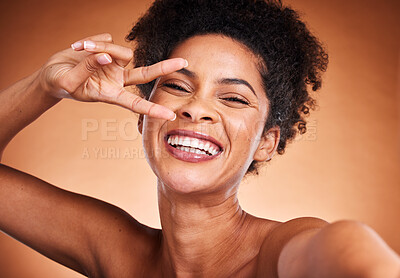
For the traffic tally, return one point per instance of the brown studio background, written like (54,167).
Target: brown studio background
(345,167)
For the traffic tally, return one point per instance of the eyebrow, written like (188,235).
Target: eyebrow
(187,72)
(225,81)
(235,81)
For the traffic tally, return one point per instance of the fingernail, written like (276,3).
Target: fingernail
(89,45)
(76,45)
(173,118)
(186,63)
(104,59)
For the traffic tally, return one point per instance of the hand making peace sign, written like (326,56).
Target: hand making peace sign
(93,69)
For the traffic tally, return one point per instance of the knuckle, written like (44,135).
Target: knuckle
(105,47)
(129,54)
(108,37)
(152,106)
(144,71)
(162,68)
(127,76)
(136,102)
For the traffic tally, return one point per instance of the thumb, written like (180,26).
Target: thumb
(73,78)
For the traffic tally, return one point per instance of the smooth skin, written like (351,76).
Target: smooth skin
(205,232)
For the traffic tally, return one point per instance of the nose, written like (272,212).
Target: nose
(199,111)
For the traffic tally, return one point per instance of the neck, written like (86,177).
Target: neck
(197,227)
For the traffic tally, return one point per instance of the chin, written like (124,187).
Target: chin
(187,180)
(199,180)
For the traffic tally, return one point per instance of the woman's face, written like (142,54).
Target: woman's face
(221,110)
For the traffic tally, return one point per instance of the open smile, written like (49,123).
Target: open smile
(192,146)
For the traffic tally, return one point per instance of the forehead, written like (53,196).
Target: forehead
(220,56)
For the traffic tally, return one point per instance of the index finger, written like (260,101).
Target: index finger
(143,75)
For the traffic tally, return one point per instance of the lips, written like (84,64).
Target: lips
(192,146)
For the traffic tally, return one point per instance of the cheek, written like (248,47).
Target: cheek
(244,128)
(161,97)
(150,135)
(153,125)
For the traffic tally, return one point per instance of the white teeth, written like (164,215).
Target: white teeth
(201,145)
(192,145)
(207,147)
(185,142)
(211,151)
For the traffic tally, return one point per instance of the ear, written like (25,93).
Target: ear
(140,123)
(268,145)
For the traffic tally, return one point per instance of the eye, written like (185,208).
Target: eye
(236,99)
(174,86)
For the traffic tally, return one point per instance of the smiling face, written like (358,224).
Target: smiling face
(221,110)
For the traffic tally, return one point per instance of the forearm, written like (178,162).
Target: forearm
(21,104)
(342,249)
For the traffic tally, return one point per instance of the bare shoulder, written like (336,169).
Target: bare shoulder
(276,239)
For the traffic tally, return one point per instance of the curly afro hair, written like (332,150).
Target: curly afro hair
(293,59)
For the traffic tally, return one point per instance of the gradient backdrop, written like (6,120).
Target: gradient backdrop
(346,166)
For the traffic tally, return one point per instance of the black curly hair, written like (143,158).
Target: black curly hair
(293,59)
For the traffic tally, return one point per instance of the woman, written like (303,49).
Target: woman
(230,95)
